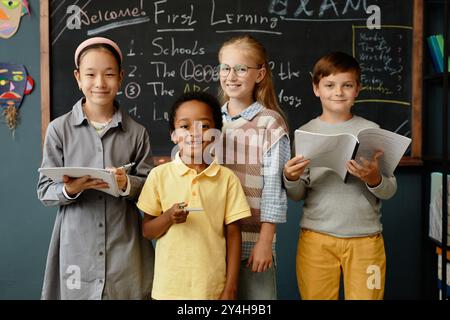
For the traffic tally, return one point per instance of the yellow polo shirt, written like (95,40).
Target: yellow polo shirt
(190,261)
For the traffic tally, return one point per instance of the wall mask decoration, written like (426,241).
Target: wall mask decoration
(14,85)
(11,12)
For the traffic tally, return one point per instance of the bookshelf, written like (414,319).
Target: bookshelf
(438,78)
(436,118)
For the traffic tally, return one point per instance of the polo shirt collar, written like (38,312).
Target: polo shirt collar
(248,114)
(182,168)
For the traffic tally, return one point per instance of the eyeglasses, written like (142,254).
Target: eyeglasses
(240,69)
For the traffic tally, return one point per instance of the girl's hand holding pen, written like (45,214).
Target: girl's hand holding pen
(121,175)
(128,166)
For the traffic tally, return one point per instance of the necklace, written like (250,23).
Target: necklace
(99,126)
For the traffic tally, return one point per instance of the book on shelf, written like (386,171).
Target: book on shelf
(436,49)
(334,150)
(440,42)
(434,53)
(435,209)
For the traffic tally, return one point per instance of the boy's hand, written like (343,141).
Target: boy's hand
(295,167)
(177,214)
(228,294)
(74,186)
(368,170)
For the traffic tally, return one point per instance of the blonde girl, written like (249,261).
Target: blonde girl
(256,148)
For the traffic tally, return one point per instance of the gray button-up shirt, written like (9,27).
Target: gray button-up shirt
(97,250)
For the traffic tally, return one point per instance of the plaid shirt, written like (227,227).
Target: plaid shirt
(273,200)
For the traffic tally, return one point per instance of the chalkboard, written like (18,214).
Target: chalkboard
(170,46)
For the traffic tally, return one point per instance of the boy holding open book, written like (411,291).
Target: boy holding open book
(340,225)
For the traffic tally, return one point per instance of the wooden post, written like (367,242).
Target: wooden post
(417,79)
(45,68)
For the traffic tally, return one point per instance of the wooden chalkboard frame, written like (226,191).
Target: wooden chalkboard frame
(416,93)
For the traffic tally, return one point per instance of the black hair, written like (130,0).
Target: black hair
(105,46)
(201,96)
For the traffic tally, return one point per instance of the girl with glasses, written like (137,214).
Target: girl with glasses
(256,147)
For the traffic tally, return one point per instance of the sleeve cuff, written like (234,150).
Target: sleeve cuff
(238,216)
(379,186)
(148,210)
(67,196)
(127,191)
(289,182)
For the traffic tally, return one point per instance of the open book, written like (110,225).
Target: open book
(57,173)
(334,150)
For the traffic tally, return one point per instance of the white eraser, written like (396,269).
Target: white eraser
(193,209)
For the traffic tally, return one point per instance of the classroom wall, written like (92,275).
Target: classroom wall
(26,226)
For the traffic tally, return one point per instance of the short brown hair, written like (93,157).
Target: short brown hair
(333,63)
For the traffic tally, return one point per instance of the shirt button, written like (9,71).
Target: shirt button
(100,225)
(194,193)
(194,181)
(101,253)
(101,281)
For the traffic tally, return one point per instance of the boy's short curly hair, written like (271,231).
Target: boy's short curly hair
(201,96)
(335,62)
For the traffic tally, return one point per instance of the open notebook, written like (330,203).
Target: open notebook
(56,174)
(334,150)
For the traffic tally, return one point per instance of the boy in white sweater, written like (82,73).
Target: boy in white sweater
(340,225)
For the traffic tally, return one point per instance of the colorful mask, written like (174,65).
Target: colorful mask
(14,85)
(10,13)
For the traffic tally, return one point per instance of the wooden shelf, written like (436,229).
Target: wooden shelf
(410,162)
(439,245)
(437,77)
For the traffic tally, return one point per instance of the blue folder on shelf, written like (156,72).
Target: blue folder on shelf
(440,41)
(436,58)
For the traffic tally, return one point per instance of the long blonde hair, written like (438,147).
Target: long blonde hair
(264,92)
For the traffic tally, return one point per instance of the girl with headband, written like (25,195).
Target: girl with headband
(97,250)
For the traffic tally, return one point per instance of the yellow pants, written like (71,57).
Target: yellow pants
(321,257)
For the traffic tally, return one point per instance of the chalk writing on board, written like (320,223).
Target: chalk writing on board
(382,62)
(319,10)
(171,47)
